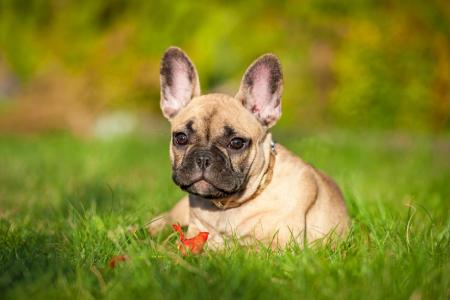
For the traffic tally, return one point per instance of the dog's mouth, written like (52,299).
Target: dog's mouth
(202,185)
(206,189)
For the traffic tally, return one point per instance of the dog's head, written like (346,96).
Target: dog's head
(217,140)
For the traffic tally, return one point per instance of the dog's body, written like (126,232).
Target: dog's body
(240,184)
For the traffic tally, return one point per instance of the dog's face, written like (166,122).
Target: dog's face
(214,142)
(216,139)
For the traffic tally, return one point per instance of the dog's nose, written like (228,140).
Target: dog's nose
(203,160)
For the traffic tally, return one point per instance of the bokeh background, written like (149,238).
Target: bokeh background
(92,67)
(84,161)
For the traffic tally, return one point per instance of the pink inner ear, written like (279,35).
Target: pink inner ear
(179,81)
(261,89)
(181,90)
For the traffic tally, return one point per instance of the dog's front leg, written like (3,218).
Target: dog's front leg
(178,214)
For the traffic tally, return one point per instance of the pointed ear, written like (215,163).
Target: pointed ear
(179,81)
(261,89)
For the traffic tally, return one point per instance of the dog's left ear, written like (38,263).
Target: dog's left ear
(261,89)
(179,81)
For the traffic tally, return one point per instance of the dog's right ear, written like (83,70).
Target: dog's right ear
(261,89)
(179,81)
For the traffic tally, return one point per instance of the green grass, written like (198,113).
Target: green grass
(67,205)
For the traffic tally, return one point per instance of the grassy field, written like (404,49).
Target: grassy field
(68,205)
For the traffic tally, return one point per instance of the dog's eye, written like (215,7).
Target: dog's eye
(180,138)
(236,143)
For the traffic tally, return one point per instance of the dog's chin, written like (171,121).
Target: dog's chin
(206,190)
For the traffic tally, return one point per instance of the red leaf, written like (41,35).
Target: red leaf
(179,230)
(116,259)
(193,245)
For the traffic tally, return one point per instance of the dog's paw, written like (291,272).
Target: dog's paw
(157,224)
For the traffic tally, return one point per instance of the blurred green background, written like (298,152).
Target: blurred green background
(347,64)
(366,99)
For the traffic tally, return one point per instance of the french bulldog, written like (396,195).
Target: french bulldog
(239,183)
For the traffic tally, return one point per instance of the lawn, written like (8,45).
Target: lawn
(67,205)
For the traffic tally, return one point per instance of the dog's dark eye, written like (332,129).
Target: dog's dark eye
(236,144)
(180,138)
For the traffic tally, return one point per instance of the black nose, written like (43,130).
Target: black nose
(203,160)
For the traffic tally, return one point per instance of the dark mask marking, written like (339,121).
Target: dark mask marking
(208,121)
(229,131)
(189,127)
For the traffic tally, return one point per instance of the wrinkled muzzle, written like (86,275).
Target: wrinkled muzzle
(208,172)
